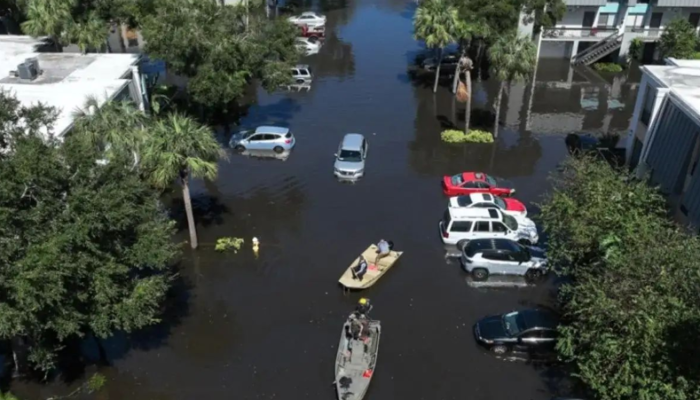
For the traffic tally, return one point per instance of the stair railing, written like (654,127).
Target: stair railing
(612,37)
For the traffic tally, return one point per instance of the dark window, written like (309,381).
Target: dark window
(471,184)
(684,210)
(648,106)
(461,226)
(483,205)
(548,334)
(496,256)
(295,72)
(257,138)
(493,213)
(482,226)
(482,185)
(488,197)
(656,20)
(508,245)
(288,135)
(446,218)
(477,246)
(588,18)
(498,227)
(694,19)
(464,201)
(531,335)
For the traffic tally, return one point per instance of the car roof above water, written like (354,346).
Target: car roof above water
(474,213)
(352,141)
(272,129)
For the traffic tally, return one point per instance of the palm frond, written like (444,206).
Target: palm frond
(512,58)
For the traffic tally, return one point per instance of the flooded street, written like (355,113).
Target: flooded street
(268,327)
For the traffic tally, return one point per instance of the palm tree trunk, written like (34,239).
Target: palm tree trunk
(437,72)
(498,109)
(188,209)
(468,103)
(479,59)
(456,79)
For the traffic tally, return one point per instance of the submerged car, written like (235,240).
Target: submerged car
(474,182)
(350,158)
(460,225)
(449,62)
(485,257)
(308,46)
(275,138)
(301,74)
(508,205)
(532,331)
(309,18)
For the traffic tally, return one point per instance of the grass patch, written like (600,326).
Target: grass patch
(229,243)
(474,136)
(607,67)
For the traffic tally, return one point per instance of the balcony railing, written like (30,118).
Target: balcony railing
(651,33)
(577,33)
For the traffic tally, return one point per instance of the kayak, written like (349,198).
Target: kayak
(374,272)
(356,360)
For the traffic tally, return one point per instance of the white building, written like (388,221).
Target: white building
(67,80)
(663,139)
(593,29)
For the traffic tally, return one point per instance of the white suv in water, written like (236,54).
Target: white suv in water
(460,225)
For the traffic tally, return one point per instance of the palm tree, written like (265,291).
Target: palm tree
(49,18)
(178,148)
(512,59)
(465,31)
(90,34)
(435,23)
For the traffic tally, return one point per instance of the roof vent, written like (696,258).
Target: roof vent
(29,69)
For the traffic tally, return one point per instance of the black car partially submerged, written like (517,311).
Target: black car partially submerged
(532,331)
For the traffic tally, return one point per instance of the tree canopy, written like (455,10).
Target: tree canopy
(85,246)
(679,39)
(630,307)
(218,50)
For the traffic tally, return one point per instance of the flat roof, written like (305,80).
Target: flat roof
(682,63)
(68,79)
(672,76)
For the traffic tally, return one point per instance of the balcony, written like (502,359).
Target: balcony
(644,33)
(563,33)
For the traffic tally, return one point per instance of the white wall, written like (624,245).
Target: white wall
(671,14)
(573,18)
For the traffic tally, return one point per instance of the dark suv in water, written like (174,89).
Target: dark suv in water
(532,331)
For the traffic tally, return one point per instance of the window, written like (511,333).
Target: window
(493,213)
(478,246)
(295,72)
(483,205)
(694,19)
(304,72)
(496,256)
(531,335)
(487,197)
(606,20)
(655,21)
(471,185)
(636,21)
(464,201)
(350,156)
(498,227)
(461,226)
(549,334)
(482,226)
(482,185)
(256,138)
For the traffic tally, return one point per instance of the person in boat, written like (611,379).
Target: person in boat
(360,269)
(363,308)
(385,248)
(359,322)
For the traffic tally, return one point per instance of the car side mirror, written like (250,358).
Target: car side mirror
(335,155)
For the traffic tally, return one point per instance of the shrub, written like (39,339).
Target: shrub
(607,67)
(228,243)
(474,136)
(695,56)
(636,49)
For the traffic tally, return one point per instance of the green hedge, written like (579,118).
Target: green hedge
(474,136)
(607,67)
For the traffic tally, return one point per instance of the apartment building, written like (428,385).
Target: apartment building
(664,136)
(593,29)
(65,81)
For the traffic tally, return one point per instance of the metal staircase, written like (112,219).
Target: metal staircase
(598,50)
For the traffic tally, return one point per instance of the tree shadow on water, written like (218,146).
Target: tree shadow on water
(207,210)
(681,349)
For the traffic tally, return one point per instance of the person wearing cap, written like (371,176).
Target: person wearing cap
(360,269)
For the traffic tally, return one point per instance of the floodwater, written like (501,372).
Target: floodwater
(267,327)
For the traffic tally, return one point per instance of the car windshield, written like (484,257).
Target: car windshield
(457,179)
(350,156)
(513,323)
(499,202)
(510,222)
(464,201)
(491,180)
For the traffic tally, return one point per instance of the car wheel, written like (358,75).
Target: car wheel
(300,81)
(278,149)
(499,349)
(533,275)
(525,242)
(239,149)
(480,274)
(461,244)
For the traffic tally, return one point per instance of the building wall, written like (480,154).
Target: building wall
(574,17)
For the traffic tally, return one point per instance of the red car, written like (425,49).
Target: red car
(473,182)
(313,31)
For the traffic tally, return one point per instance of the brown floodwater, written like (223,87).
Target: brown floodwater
(267,327)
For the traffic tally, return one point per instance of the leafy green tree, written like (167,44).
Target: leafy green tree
(435,23)
(544,13)
(678,40)
(217,50)
(89,34)
(86,246)
(512,59)
(52,18)
(178,148)
(630,307)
